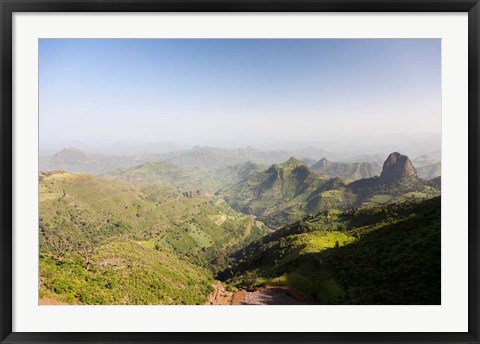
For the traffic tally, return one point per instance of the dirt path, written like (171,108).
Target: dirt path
(269,295)
(220,295)
(49,301)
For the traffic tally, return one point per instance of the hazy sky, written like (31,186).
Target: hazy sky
(226,92)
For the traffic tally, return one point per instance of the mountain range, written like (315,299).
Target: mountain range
(208,158)
(281,193)
(163,172)
(348,171)
(167,228)
(289,191)
(74,160)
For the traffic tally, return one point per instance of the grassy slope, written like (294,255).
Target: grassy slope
(80,215)
(187,179)
(233,174)
(125,272)
(370,191)
(382,255)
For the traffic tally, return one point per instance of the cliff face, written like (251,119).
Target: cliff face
(397,166)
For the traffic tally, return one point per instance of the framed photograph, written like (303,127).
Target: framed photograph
(235,171)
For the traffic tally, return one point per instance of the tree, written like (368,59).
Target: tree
(86,249)
(249,279)
(57,243)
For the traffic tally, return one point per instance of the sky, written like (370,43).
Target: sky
(238,92)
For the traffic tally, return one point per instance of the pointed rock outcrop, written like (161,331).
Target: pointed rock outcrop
(396,167)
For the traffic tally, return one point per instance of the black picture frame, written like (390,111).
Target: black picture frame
(8,7)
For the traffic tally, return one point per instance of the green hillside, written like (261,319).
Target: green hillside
(284,193)
(287,192)
(157,234)
(161,172)
(381,255)
(373,191)
(81,215)
(123,272)
(233,174)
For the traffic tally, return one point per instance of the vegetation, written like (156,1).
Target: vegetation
(290,191)
(234,174)
(161,172)
(348,171)
(382,255)
(125,272)
(284,193)
(80,215)
(157,234)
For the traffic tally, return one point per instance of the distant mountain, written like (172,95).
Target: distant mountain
(311,152)
(187,179)
(373,158)
(231,175)
(349,171)
(283,193)
(142,149)
(308,161)
(78,161)
(396,167)
(215,158)
(430,171)
(424,160)
(207,158)
(291,190)
(428,165)
(72,154)
(427,159)
(398,181)
(74,160)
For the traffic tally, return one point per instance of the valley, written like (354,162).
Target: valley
(238,171)
(238,226)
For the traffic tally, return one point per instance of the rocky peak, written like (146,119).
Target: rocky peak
(292,163)
(397,166)
(71,153)
(287,166)
(321,163)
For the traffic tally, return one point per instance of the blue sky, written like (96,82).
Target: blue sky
(237,92)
